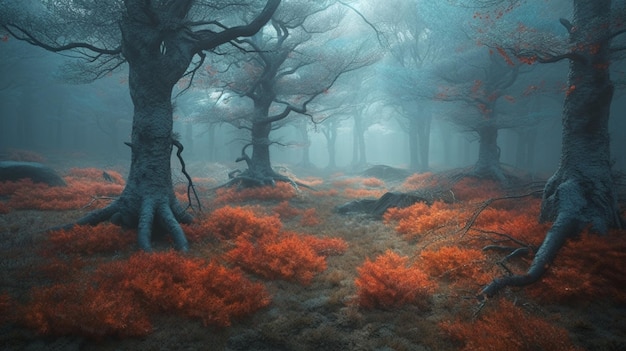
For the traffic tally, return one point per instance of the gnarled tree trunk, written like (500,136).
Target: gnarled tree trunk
(581,191)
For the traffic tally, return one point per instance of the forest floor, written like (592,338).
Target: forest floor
(405,282)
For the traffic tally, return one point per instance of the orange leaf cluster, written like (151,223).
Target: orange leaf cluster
(286,256)
(472,189)
(458,265)
(89,240)
(419,181)
(231,222)
(586,268)
(325,246)
(281,191)
(360,193)
(309,218)
(389,282)
(373,182)
(421,218)
(507,327)
(82,185)
(120,296)
(286,211)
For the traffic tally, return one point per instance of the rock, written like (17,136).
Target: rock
(37,172)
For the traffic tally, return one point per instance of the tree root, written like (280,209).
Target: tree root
(167,214)
(563,228)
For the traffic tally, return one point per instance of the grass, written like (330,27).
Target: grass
(324,313)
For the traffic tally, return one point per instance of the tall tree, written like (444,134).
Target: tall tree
(297,58)
(581,193)
(158,40)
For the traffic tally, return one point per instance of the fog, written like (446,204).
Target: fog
(41,111)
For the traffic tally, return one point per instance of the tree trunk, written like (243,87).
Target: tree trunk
(414,158)
(423,134)
(585,165)
(260,164)
(488,164)
(581,192)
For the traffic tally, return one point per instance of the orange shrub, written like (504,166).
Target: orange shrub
(472,189)
(81,309)
(461,266)
(286,211)
(89,240)
(231,222)
(507,327)
(389,282)
(326,246)
(360,193)
(281,191)
(309,218)
(373,182)
(419,181)
(421,218)
(120,296)
(285,256)
(82,186)
(585,269)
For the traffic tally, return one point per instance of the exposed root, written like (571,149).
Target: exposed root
(167,214)
(563,228)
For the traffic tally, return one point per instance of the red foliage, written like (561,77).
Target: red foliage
(231,222)
(81,309)
(286,256)
(119,297)
(585,269)
(286,211)
(309,218)
(470,189)
(419,181)
(326,246)
(373,182)
(389,282)
(82,186)
(458,265)
(421,218)
(507,327)
(360,193)
(281,191)
(88,240)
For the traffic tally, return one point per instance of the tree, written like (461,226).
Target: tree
(482,87)
(580,194)
(158,40)
(297,58)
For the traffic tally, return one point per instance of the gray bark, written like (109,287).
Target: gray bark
(581,192)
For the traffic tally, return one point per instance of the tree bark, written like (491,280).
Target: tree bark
(581,192)
(488,164)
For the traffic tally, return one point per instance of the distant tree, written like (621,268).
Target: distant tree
(297,57)
(481,80)
(581,193)
(158,40)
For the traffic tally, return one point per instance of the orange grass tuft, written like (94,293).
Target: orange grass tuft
(119,297)
(507,327)
(89,240)
(389,282)
(419,181)
(462,267)
(281,191)
(476,189)
(421,218)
